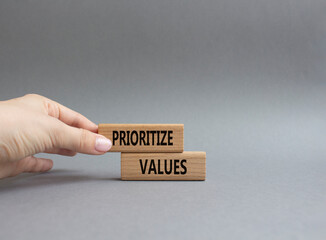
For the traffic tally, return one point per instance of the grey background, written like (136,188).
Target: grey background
(246,77)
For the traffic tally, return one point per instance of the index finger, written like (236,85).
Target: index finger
(70,117)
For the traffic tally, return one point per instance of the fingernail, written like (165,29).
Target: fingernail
(102,144)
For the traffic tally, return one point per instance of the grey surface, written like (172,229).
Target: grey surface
(246,77)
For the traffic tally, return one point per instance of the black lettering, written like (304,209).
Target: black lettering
(176,166)
(158,138)
(145,138)
(128,138)
(183,166)
(170,138)
(134,133)
(162,140)
(153,135)
(115,136)
(142,137)
(143,168)
(122,137)
(152,167)
(159,171)
(166,168)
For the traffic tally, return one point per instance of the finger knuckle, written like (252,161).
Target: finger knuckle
(33,95)
(83,139)
(56,136)
(31,163)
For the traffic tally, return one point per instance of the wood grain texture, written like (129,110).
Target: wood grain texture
(163,166)
(144,137)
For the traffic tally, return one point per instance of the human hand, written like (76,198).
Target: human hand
(33,124)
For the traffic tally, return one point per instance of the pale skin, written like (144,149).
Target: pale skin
(35,124)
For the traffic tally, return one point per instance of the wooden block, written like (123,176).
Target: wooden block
(144,137)
(163,166)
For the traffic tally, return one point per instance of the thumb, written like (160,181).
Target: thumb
(82,141)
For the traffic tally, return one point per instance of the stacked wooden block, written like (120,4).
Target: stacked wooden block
(154,152)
